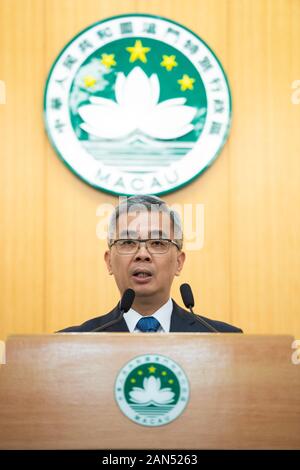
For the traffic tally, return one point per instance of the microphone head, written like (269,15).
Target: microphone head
(187,295)
(127,300)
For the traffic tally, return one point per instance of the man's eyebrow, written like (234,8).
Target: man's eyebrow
(127,233)
(158,234)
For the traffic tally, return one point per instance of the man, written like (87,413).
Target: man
(145,253)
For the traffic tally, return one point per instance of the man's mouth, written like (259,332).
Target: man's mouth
(142,274)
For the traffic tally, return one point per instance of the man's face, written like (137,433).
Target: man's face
(147,274)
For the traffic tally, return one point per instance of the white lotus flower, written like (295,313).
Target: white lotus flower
(151,392)
(136,109)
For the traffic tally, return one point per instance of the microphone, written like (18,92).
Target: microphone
(188,300)
(125,304)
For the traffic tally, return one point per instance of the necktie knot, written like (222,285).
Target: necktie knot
(148,324)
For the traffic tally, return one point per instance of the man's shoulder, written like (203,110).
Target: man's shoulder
(184,320)
(90,324)
(222,326)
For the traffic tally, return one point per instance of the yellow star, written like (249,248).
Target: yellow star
(89,81)
(151,369)
(108,60)
(138,52)
(169,62)
(186,82)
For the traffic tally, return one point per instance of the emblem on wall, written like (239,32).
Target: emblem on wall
(152,390)
(137,104)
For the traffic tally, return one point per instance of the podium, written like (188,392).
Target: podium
(64,391)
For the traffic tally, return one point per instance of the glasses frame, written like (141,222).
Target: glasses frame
(144,240)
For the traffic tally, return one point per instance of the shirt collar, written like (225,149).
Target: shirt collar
(163,315)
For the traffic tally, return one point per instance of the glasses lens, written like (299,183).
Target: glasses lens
(157,246)
(127,246)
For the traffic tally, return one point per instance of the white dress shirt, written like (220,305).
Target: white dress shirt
(163,315)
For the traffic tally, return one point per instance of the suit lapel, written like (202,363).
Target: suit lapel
(181,320)
(113,315)
(119,326)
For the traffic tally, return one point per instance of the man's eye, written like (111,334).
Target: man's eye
(158,243)
(128,242)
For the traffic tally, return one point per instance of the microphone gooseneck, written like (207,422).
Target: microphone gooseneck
(188,300)
(125,304)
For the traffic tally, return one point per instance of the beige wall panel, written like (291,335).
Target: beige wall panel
(22,175)
(52,273)
(264,167)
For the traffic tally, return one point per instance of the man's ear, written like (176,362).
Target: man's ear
(180,262)
(107,260)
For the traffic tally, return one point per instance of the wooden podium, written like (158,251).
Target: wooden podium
(57,392)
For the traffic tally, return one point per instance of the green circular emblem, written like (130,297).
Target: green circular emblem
(152,390)
(137,104)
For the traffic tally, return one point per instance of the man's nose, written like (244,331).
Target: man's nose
(142,252)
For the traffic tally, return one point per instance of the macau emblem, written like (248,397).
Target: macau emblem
(152,390)
(137,104)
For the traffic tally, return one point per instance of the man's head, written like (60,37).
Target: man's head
(146,267)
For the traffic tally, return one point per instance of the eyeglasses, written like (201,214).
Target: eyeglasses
(130,246)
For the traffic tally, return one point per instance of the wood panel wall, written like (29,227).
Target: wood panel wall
(52,273)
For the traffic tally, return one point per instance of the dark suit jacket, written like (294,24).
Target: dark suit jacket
(181,321)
